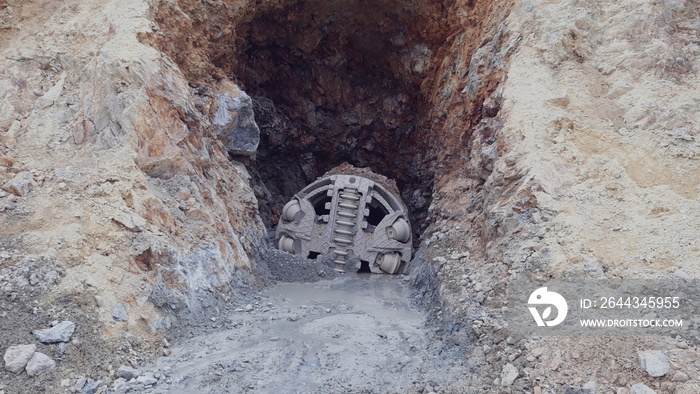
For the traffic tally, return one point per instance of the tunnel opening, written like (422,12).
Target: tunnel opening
(341,81)
(388,84)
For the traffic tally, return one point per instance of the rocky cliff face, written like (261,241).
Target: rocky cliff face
(534,138)
(113,183)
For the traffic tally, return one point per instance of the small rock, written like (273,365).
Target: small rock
(167,352)
(508,375)
(119,313)
(680,376)
(641,388)
(47,99)
(275,339)
(65,382)
(20,184)
(654,362)
(99,301)
(328,310)
(618,90)
(119,384)
(127,373)
(248,308)
(491,108)
(92,386)
(460,338)
(293,318)
(80,383)
(17,357)
(38,363)
(61,332)
(131,221)
(147,380)
(589,388)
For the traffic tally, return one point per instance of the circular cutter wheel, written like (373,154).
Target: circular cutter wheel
(354,218)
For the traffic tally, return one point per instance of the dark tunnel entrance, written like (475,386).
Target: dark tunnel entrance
(337,82)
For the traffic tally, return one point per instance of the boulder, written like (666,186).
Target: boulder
(234,123)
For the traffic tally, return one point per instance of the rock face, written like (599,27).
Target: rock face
(234,123)
(654,362)
(38,363)
(113,166)
(61,332)
(16,357)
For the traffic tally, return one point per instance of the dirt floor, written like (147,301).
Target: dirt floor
(356,333)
